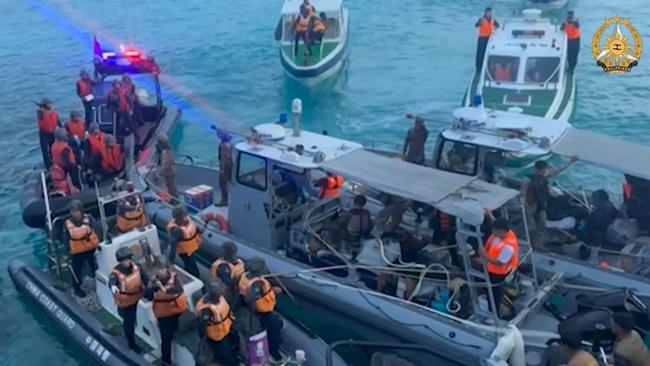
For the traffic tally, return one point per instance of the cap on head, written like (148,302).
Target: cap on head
(61,134)
(501,224)
(110,139)
(94,127)
(229,249)
(123,253)
(419,120)
(45,101)
(115,83)
(255,265)
(570,13)
(76,205)
(75,114)
(83,72)
(487,9)
(179,213)
(360,200)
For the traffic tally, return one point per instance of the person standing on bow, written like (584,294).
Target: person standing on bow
(416,138)
(126,282)
(48,120)
(215,321)
(225,166)
(571,27)
(85,92)
(80,232)
(184,238)
(485,26)
(166,164)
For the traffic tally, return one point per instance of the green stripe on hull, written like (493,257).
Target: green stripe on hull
(540,103)
(568,88)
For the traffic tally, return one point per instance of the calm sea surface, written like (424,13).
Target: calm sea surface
(223,68)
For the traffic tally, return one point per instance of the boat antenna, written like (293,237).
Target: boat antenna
(296,109)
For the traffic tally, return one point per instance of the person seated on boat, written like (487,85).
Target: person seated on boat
(112,158)
(76,132)
(169,302)
(48,120)
(185,239)
(259,293)
(359,225)
(329,185)
(502,73)
(215,321)
(409,246)
(317,28)
(571,344)
(80,233)
(301,24)
(228,269)
(63,156)
(598,221)
(330,236)
(629,346)
(127,282)
(444,234)
(500,255)
(166,164)
(130,211)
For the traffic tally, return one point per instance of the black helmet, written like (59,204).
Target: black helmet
(229,249)
(76,205)
(179,212)
(215,290)
(255,265)
(123,253)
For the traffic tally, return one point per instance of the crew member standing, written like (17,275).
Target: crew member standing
(185,239)
(501,256)
(215,321)
(121,102)
(63,156)
(169,302)
(126,282)
(229,268)
(80,232)
(416,138)
(535,190)
(48,120)
(259,294)
(301,25)
(571,27)
(166,164)
(76,132)
(85,93)
(225,166)
(485,25)
(130,211)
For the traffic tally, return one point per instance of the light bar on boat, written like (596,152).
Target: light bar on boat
(534,33)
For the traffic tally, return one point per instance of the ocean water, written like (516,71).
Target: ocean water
(222,68)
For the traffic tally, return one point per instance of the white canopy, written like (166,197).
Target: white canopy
(293,6)
(455,194)
(611,153)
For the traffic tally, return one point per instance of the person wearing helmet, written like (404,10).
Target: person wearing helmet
(126,282)
(80,233)
(215,321)
(229,268)
(76,132)
(48,120)
(184,238)
(112,158)
(169,302)
(259,294)
(63,156)
(121,103)
(130,211)
(85,93)
(166,164)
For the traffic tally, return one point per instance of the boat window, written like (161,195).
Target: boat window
(458,157)
(542,69)
(503,68)
(251,171)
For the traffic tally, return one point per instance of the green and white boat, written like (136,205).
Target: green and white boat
(525,70)
(328,56)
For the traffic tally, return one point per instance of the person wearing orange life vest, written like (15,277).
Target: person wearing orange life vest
(571,27)
(127,282)
(80,232)
(500,254)
(48,120)
(63,156)
(93,148)
(76,132)
(485,26)
(444,234)
(169,302)
(301,24)
(85,92)
(130,212)
(121,101)
(229,268)
(317,28)
(259,293)
(329,186)
(184,238)
(112,158)
(214,323)
(60,184)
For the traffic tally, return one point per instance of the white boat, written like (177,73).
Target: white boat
(328,57)
(547,4)
(525,66)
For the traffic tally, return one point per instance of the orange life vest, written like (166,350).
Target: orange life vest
(97,143)
(303,23)
(60,180)
(445,225)
(82,238)
(494,250)
(130,220)
(112,159)
(501,74)
(75,127)
(236,270)
(122,99)
(486,27)
(332,189)
(84,87)
(266,302)
(319,26)
(220,318)
(191,239)
(572,32)
(130,287)
(47,119)
(58,147)
(165,304)
(627,190)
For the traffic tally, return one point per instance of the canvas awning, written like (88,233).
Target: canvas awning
(455,194)
(608,152)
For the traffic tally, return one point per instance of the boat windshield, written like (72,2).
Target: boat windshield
(457,157)
(542,69)
(330,20)
(502,68)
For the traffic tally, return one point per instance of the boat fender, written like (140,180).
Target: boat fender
(509,349)
(219,219)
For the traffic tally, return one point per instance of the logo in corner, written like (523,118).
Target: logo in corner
(621,50)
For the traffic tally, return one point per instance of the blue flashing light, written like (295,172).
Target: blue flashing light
(283,118)
(478,100)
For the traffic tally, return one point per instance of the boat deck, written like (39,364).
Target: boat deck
(317,55)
